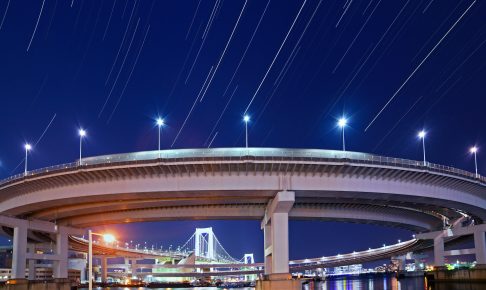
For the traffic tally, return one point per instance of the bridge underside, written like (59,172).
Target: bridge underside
(360,207)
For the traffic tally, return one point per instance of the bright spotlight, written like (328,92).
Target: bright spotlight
(27,146)
(421,134)
(473,149)
(160,122)
(109,238)
(82,132)
(246,118)
(342,122)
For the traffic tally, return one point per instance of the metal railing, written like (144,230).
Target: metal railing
(249,153)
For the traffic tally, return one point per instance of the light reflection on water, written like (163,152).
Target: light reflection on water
(390,283)
(382,283)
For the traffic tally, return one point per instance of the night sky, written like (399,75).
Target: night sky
(112,67)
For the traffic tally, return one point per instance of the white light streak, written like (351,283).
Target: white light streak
(420,64)
(276,55)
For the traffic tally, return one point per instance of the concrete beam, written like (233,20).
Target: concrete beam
(35,225)
(460,252)
(453,232)
(44,257)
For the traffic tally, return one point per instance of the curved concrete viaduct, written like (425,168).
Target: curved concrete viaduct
(267,184)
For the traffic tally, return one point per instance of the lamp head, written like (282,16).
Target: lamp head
(27,146)
(82,132)
(421,134)
(160,122)
(473,149)
(109,238)
(342,122)
(246,118)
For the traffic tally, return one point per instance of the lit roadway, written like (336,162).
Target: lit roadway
(238,183)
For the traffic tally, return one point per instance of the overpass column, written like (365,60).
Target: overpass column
(31,262)
(275,226)
(267,246)
(104,269)
(480,247)
(60,267)
(439,251)
(19,251)
(134,267)
(126,261)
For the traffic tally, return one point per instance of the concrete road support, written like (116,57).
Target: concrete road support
(275,227)
(133,267)
(60,267)
(19,258)
(439,259)
(479,250)
(480,246)
(31,263)
(24,254)
(104,269)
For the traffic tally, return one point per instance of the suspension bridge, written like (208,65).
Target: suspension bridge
(203,255)
(203,247)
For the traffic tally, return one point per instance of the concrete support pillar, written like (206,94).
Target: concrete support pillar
(19,252)
(480,247)
(104,269)
(31,262)
(267,241)
(126,261)
(60,267)
(134,267)
(280,243)
(439,251)
(276,236)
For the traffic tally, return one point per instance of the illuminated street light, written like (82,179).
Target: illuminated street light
(108,238)
(160,123)
(27,147)
(474,150)
(246,119)
(82,134)
(421,135)
(342,122)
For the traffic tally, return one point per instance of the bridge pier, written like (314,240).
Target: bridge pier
(60,266)
(24,254)
(133,267)
(439,256)
(19,251)
(275,227)
(479,250)
(480,246)
(104,269)
(31,263)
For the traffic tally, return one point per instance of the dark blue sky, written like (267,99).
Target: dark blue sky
(112,67)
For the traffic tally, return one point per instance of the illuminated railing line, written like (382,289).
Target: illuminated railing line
(247,153)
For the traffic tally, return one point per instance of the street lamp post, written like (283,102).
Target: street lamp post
(27,147)
(246,119)
(342,122)
(160,123)
(108,238)
(474,151)
(421,135)
(82,133)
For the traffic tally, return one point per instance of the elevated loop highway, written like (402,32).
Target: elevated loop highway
(268,184)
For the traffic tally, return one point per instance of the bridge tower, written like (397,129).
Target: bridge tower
(248,259)
(205,243)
